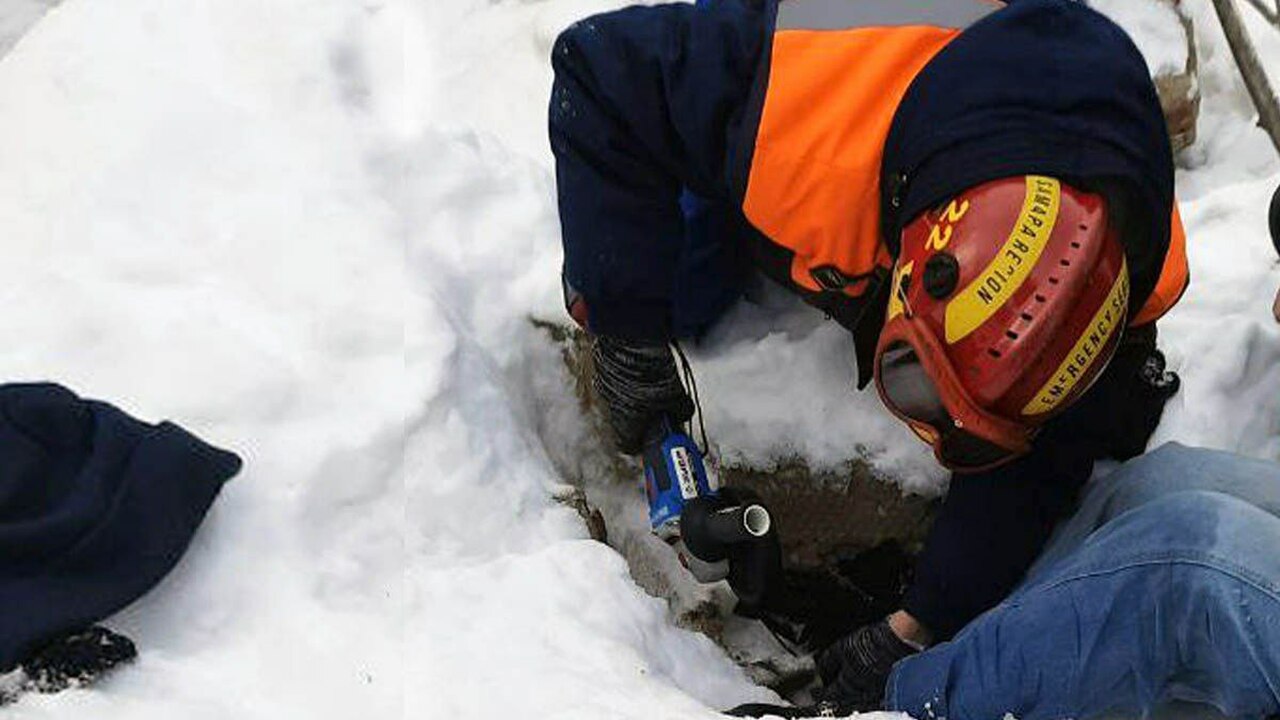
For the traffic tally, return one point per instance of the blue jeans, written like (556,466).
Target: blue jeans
(1164,586)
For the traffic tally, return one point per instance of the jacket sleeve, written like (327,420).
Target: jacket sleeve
(993,525)
(646,101)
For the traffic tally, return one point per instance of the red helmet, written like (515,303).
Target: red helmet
(1007,303)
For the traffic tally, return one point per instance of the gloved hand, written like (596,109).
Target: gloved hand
(1123,408)
(638,385)
(855,668)
(1137,403)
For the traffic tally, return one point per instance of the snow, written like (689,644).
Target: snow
(1155,28)
(314,231)
(17,17)
(1230,149)
(780,350)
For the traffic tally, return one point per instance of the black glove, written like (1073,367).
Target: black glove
(1141,405)
(77,659)
(1136,399)
(1118,414)
(855,668)
(639,386)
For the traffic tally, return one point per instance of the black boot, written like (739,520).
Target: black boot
(76,660)
(822,709)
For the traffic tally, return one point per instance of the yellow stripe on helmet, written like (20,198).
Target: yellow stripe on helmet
(993,287)
(1087,348)
(896,292)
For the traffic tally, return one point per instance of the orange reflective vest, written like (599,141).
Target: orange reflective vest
(837,72)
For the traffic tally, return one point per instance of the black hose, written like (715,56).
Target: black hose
(737,527)
(711,529)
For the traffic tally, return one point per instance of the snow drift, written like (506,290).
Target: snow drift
(314,231)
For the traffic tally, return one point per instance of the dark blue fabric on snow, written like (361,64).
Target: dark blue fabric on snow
(95,508)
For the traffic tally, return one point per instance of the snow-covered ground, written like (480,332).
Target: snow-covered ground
(17,16)
(313,231)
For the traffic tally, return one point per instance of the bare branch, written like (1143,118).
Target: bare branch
(1255,78)
(1272,16)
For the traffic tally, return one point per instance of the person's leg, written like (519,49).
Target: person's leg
(1167,469)
(1177,598)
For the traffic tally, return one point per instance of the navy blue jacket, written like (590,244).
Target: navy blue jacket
(650,100)
(95,508)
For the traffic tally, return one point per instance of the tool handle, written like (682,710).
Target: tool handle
(1273,219)
(711,528)
(674,473)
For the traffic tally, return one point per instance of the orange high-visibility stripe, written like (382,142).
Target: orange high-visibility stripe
(1174,275)
(814,184)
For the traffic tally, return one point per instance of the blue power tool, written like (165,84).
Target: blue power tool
(674,473)
(708,529)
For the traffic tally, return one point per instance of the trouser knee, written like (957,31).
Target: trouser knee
(1174,468)
(1211,532)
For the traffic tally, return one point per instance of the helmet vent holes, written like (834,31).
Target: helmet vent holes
(1040,298)
(1053,280)
(1011,334)
(1084,227)
(1075,245)
(1027,317)
(1064,262)
(993,353)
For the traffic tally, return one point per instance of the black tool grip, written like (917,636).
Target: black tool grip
(711,527)
(1273,219)
(737,527)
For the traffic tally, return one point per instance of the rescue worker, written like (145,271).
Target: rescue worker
(1157,598)
(982,194)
